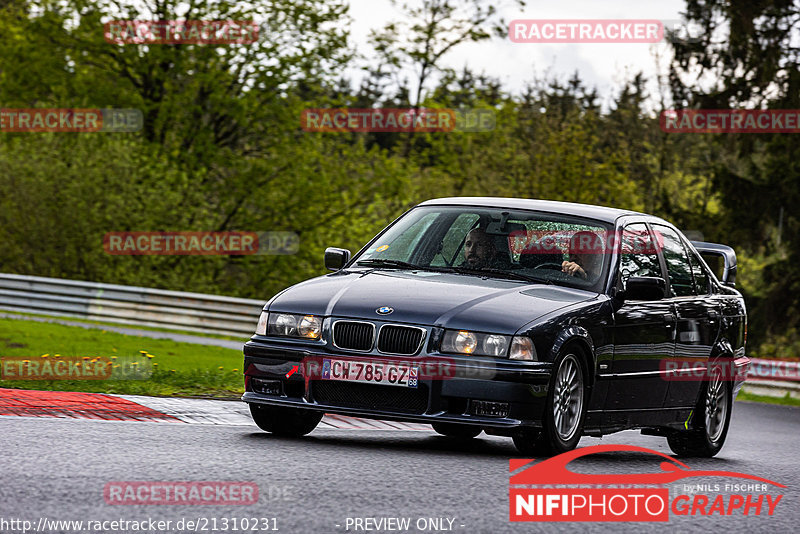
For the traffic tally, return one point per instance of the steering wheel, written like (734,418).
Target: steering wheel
(549,265)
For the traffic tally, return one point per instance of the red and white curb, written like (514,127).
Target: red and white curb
(77,405)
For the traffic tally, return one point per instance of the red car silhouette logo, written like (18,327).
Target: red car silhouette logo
(554,470)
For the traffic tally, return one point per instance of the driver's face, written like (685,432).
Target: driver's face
(478,248)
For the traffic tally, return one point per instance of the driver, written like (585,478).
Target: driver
(585,259)
(479,249)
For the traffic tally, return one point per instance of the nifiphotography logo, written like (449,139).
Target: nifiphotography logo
(549,491)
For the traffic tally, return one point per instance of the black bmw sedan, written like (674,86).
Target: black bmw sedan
(542,321)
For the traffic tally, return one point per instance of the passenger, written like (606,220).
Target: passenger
(585,256)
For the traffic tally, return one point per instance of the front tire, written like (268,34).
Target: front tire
(712,418)
(453,430)
(289,422)
(565,411)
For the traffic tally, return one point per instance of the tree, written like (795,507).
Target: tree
(749,58)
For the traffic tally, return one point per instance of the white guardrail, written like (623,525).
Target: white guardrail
(773,378)
(141,306)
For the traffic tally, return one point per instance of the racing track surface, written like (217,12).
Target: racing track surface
(56,468)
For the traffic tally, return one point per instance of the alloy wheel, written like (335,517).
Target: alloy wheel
(568,397)
(716,406)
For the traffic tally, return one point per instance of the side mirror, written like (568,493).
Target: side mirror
(336,258)
(721,253)
(644,288)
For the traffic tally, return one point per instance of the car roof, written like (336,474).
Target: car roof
(601,213)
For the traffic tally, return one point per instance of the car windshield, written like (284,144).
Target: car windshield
(519,245)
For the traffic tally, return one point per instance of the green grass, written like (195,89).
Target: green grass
(786,400)
(178,369)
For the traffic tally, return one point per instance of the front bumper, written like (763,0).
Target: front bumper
(460,397)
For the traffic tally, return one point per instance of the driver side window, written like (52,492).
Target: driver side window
(453,240)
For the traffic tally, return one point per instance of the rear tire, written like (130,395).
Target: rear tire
(454,430)
(290,422)
(711,420)
(565,411)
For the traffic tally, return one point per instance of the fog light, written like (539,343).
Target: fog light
(488,408)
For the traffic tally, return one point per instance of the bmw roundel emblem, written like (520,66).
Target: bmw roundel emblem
(384,310)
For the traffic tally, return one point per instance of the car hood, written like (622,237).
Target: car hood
(437,299)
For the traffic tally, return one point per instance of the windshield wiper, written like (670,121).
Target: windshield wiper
(375,262)
(500,273)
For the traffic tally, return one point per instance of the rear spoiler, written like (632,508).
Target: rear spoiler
(728,257)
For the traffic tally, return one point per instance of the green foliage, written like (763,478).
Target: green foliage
(222,148)
(756,176)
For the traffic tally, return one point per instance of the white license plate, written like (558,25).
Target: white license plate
(388,374)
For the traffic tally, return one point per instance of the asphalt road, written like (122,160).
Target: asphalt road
(57,469)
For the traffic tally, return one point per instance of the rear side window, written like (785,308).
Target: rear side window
(678,267)
(701,280)
(716,263)
(638,257)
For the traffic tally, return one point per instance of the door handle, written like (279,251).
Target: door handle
(669,318)
(713,315)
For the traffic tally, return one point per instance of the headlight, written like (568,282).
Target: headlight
(495,345)
(466,342)
(522,349)
(289,325)
(284,325)
(261,327)
(310,326)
